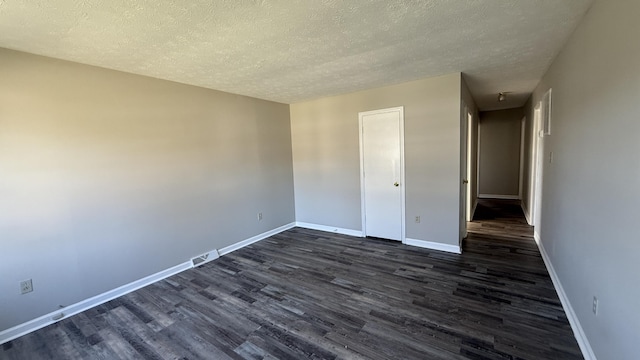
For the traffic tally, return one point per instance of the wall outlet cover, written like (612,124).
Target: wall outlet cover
(26,286)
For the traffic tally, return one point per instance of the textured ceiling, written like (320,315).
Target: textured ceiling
(294,50)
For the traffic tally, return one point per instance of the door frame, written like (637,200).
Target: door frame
(464,172)
(400,111)
(469,163)
(523,126)
(538,168)
(478,147)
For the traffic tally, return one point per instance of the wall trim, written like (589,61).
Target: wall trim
(496,196)
(433,245)
(332,229)
(55,316)
(239,245)
(407,241)
(473,210)
(578,332)
(523,126)
(526,213)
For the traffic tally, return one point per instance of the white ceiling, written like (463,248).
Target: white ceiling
(294,50)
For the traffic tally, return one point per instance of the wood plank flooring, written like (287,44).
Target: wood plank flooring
(502,219)
(305,294)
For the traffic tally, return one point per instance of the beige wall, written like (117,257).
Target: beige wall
(108,177)
(591,189)
(500,152)
(326,158)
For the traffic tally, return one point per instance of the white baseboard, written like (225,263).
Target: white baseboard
(536,237)
(412,242)
(501,197)
(239,245)
(55,316)
(433,245)
(52,317)
(332,229)
(526,213)
(578,332)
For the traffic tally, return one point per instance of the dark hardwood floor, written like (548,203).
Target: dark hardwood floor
(309,294)
(502,219)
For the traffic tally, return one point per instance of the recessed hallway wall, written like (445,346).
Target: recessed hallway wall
(499,165)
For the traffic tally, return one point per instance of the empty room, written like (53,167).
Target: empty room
(326,179)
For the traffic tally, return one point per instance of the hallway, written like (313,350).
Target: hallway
(500,218)
(499,233)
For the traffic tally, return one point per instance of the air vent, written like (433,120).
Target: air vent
(205,258)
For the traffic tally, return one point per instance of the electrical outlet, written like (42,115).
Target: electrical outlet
(259,216)
(595,305)
(417,219)
(26,286)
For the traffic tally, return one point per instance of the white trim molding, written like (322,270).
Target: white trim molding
(496,196)
(332,229)
(578,332)
(433,245)
(523,126)
(239,245)
(473,210)
(527,216)
(55,316)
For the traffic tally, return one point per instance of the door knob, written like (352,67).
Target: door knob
(396,184)
(465,181)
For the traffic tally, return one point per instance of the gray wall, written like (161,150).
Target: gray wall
(500,152)
(108,177)
(591,190)
(326,156)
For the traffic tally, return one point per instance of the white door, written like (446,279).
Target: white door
(382,173)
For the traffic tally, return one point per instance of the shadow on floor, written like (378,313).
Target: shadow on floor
(500,218)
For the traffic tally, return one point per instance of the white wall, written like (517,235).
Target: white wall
(326,158)
(107,177)
(592,189)
(500,152)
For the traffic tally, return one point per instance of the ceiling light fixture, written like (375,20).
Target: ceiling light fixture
(502,97)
